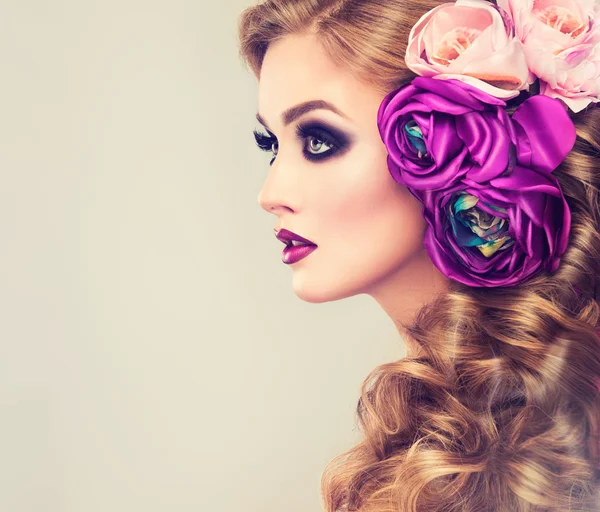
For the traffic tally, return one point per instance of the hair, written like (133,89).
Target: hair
(501,410)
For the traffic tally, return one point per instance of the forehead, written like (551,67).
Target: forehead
(297,69)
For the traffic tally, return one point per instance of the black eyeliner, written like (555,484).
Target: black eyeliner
(265,142)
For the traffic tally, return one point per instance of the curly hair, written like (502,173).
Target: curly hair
(501,410)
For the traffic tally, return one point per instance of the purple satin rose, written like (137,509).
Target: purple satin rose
(496,214)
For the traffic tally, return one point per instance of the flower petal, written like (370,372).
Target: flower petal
(547,133)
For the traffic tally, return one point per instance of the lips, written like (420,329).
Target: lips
(287,237)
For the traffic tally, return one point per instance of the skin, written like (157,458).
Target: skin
(368,228)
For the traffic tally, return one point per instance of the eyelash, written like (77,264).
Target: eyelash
(265,142)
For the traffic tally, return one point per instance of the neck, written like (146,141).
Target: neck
(405,291)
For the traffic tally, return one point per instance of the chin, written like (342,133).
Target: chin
(319,292)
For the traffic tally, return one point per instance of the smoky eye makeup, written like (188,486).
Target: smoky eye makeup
(320,141)
(266,143)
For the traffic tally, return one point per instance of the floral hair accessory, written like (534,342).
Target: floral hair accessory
(561,41)
(473,41)
(496,214)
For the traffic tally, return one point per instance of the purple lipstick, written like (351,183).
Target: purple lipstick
(296,248)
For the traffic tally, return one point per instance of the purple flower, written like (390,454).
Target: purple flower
(496,214)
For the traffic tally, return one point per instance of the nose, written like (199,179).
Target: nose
(280,189)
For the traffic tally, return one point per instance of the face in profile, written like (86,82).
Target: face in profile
(328,179)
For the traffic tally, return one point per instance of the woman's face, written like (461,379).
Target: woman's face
(329,180)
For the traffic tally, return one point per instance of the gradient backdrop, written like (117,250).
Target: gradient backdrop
(153,356)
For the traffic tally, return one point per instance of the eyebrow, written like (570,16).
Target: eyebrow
(293,113)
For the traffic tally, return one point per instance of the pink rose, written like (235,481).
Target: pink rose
(561,41)
(577,78)
(472,41)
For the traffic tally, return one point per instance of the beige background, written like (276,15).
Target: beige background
(153,356)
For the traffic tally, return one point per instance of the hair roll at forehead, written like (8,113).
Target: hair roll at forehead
(346,31)
(501,411)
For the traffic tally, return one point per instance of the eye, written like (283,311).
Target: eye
(267,143)
(320,144)
(315,144)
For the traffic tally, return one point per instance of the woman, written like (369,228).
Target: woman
(444,159)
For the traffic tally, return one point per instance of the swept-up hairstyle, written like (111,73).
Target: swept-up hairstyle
(501,411)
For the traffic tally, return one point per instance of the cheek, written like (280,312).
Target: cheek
(370,218)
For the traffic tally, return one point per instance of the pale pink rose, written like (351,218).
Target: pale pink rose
(577,80)
(472,41)
(558,24)
(561,41)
